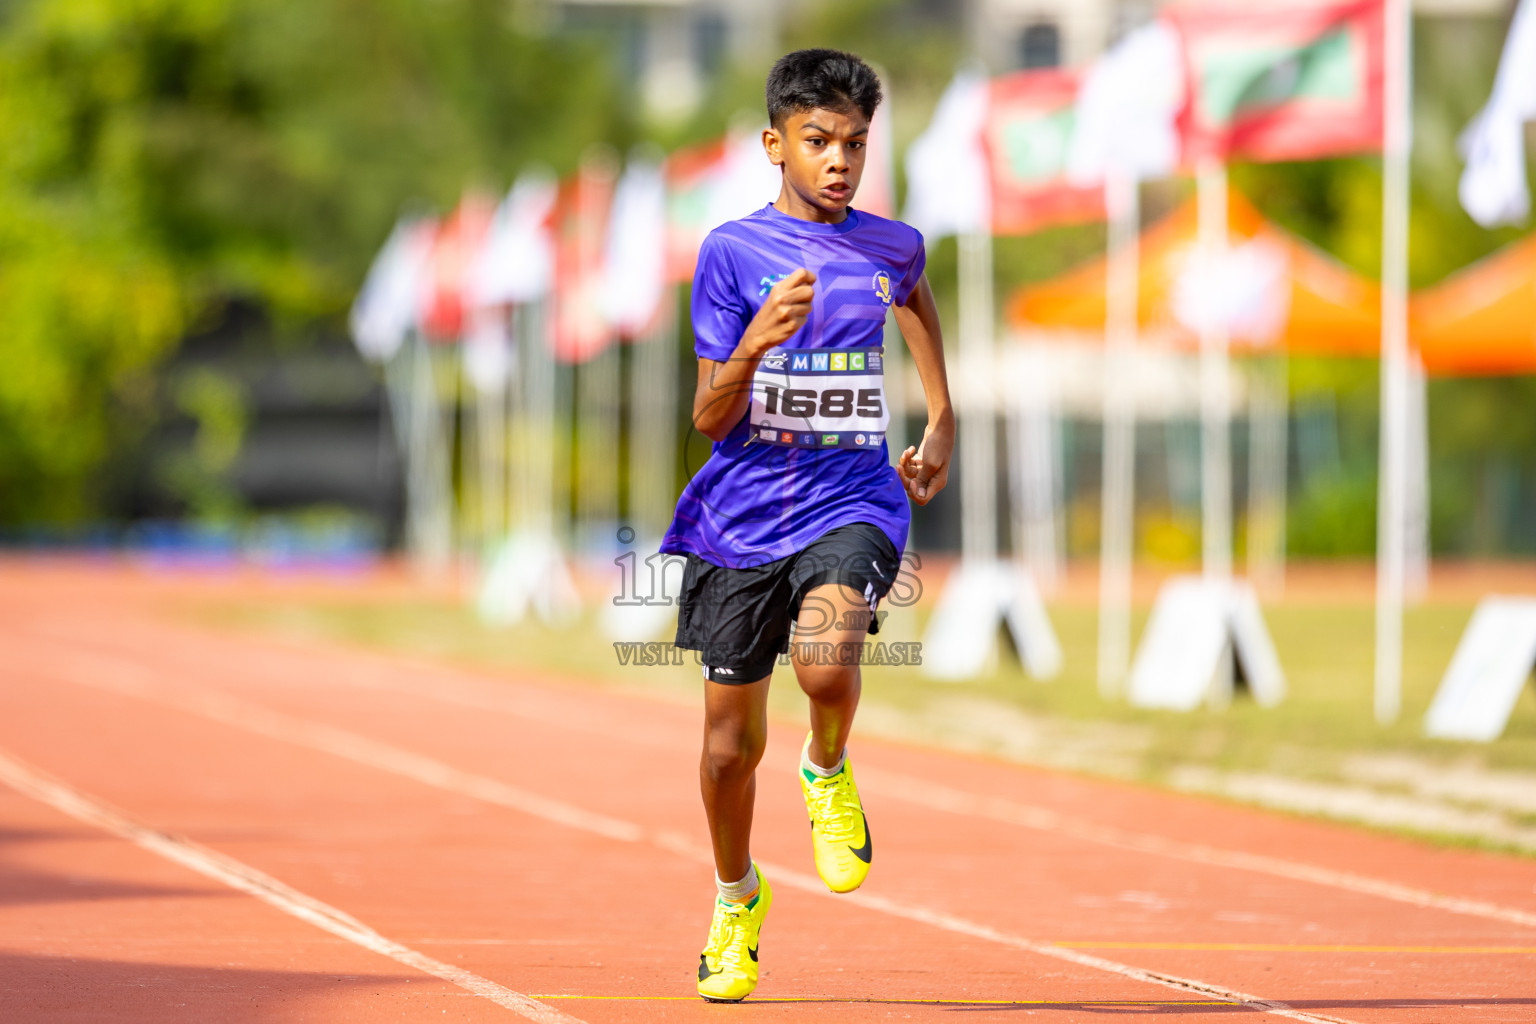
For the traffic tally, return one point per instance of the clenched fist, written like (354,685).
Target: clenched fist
(783,312)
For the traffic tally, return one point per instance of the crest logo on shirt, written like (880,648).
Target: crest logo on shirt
(766,284)
(819,361)
(800,361)
(883,287)
(840,360)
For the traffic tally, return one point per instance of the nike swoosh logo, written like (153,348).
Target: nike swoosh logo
(867,850)
(704,972)
(752,953)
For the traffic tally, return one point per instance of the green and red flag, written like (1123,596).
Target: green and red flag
(691,175)
(1030,120)
(1270,82)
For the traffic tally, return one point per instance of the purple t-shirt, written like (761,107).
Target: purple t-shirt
(753,503)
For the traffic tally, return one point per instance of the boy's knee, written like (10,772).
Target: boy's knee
(827,683)
(733,752)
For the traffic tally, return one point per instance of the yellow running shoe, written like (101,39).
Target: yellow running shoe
(839,830)
(728,965)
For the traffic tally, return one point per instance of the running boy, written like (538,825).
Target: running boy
(798,516)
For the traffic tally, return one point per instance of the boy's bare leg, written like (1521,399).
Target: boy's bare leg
(829,637)
(735,732)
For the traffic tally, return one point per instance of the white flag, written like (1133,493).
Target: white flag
(1247,291)
(1493,188)
(517,262)
(949,188)
(747,180)
(1127,110)
(386,307)
(635,256)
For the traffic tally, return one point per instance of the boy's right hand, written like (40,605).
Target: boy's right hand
(784,311)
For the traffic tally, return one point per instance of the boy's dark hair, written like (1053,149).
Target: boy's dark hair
(825,79)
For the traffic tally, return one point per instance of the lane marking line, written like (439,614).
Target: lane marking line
(341,743)
(938,797)
(47,789)
(468,693)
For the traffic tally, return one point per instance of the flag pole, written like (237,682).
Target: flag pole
(978,446)
(1215,382)
(1268,417)
(1391,525)
(1117,510)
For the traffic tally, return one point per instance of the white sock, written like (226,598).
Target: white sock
(812,766)
(739,891)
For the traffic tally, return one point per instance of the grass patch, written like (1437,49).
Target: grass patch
(1326,649)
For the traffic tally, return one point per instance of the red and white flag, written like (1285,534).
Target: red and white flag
(455,252)
(581,330)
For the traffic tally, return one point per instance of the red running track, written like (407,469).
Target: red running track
(198,825)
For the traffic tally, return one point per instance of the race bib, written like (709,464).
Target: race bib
(820,398)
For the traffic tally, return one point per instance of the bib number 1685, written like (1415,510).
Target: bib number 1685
(835,403)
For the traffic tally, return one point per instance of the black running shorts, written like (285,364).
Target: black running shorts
(739,619)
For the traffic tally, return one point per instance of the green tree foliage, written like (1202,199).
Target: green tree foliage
(158,156)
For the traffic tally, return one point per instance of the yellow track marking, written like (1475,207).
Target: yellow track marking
(1264,947)
(909,1002)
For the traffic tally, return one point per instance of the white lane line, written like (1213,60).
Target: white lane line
(45,788)
(119,678)
(943,798)
(479,695)
(781,875)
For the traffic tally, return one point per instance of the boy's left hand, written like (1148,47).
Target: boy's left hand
(924,470)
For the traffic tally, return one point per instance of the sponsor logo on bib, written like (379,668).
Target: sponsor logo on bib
(827,439)
(855,360)
(800,361)
(774,360)
(858,438)
(818,361)
(787,438)
(839,361)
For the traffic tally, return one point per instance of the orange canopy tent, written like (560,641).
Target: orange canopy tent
(1480,321)
(1333,311)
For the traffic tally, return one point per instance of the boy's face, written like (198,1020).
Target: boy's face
(822,153)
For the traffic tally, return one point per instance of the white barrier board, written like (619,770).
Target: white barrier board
(1490,667)
(961,641)
(1198,628)
(527,575)
(641,603)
